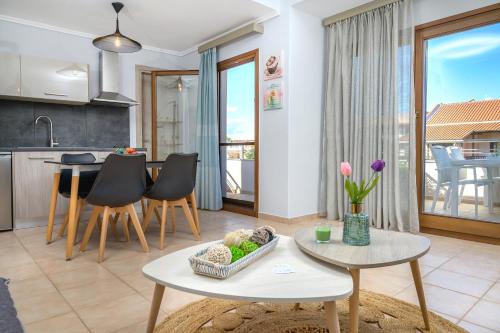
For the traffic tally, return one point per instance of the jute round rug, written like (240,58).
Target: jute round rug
(378,314)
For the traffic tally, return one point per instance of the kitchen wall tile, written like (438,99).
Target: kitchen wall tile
(73,125)
(68,123)
(107,126)
(16,124)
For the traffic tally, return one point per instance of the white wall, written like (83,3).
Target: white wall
(429,10)
(306,95)
(24,39)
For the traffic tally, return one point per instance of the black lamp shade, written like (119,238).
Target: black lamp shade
(117,42)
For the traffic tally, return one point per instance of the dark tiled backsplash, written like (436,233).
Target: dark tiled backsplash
(73,126)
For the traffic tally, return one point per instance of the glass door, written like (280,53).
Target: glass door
(458,104)
(238,132)
(173,112)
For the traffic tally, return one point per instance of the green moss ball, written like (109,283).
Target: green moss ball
(236,253)
(249,247)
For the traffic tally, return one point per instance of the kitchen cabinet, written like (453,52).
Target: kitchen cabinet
(10,74)
(54,80)
(32,183)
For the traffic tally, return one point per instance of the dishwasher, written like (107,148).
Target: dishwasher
(5,191)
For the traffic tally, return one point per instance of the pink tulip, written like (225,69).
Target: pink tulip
(345,169)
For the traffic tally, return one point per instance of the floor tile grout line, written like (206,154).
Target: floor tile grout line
(102,266)
(128,285)
(481,298)
(488,328)
(448,270)
(455,291)
(468,275)
(58,291)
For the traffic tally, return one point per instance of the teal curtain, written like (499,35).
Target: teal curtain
(208,180)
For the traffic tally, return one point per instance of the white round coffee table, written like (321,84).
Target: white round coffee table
(387,248)
(312,281)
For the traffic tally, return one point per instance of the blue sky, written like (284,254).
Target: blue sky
(240,102)
(464,66)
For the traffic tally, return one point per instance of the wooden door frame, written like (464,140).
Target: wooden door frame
(227,64)
(432,223)
(154,106)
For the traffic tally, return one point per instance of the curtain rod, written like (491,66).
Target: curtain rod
(356,11)
(230,36)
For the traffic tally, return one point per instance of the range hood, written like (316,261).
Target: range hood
(109,79)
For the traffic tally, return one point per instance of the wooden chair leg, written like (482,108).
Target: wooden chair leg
(194,205)
(158,215)
(81,209)
(163,224)
(90,227)
(143,208)
(104,231)
(114,221)
(125,220)
(62,228)
(189,217)
(149,214)
(137,225)
(172,216)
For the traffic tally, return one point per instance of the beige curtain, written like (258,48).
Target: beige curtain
(369,114)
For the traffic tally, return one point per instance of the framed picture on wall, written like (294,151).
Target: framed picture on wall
(273,95)
(273,67)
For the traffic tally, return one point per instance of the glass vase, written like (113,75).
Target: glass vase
(356,227)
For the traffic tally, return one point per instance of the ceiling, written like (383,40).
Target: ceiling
(176,25)
(326,8)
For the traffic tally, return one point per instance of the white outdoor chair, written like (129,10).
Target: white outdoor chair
(456,154)
(495,179)
(444,169)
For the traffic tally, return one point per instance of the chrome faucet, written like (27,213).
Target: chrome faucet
(52,142)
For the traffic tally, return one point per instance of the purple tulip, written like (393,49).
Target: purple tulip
(378,165)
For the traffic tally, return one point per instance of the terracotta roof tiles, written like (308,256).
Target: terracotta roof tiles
(456,121)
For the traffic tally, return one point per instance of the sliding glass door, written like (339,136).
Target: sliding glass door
(238,132)
(458,104)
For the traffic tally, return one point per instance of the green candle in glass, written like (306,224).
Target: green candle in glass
(323,232)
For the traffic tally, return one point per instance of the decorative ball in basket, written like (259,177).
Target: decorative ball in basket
(237,250)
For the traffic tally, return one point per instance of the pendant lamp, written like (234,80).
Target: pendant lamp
(117,42)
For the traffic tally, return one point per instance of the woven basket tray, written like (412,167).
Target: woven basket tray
(203,267)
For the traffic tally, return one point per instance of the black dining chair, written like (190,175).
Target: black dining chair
(149,184)
(120,183)
(85,182)
(175,183)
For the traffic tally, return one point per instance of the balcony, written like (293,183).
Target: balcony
(238,172)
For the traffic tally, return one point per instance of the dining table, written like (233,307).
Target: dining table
(488,164)
(75,168)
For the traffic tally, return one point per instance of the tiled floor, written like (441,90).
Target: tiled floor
(461,278)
